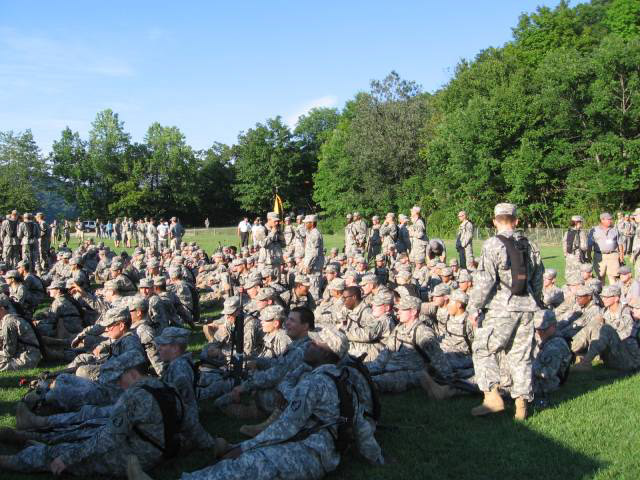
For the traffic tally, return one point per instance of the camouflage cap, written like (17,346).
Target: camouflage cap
(272,312)
(57,285)
(333,338)
(145,283)
(66,255)
(419,258)
(111,285)
(624,270)
(446,272)
(177,260)
(577,218)
(459,296)
(594,284)
(402,217)
(265,294)
(586,268)
(574,279)
(76,261)
(332,268)
(464,276)
(337,284)
(610,291)
(302,280)
(310,219)
(349,215)
(138,302)
(504,209)
(115,315)
(24,264)
(403,276)
(605,216)
(453,262)
(544,319)
(253,281)
(13,274)
(383,297)
(273,216)
(173,335)
(440,290)
(409,302)
(159,281)
(70,283)
(550,273)
(353,275)
(583,291)
(116,265)
(231,305)
(380,257)
(369,278)
(153,263)
(112,369)
(360,259)
(175,272)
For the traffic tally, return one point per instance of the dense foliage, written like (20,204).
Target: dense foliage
(550,121)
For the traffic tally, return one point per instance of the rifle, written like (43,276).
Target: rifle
(237,347)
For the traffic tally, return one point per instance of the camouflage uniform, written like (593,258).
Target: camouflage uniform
(508,323)
(574,252)
(274,344)
(389,234)
(464,242)
(18,344)
(272,453)
(550,363)
(314,260)
(10,242)
(364,331)
(419,238)
(106,450)
(400,364)
(146,333)
(62,321)
(28,233)
(456,344)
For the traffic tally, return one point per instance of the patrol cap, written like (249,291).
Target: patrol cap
(584,291)
(369,278)
(66,255)
(171,335)
(57,285)
(273,216)
(175,272)
(113,369)
(333,338)
(605,216)
(332,268)
(360,259)
(544,319)
(69,283)
(352,274)
(402,217)
(253,281)
(391,215)
(409,302)
(138,303)
(265,294)
(178,260)
(462,212)
(453,262)
(337,284)
(299,217)
(24,264)
(116,265)
(403,276)
(153,263)
(13,274)
(145,283)
(287,218)
(586,268)
(115,315)
(349,215)
(577,218)
(383,297)
(271,312)
(415,209)
(266,273)
(459,296)
(624,270)
(464,276)
(610,291)
(380,257)
(504,209)
(440,290)
(75,261)
(310,219)
(111,285)
(375,218)
(446,272)
(574,279)
(237,262)
(302,280)
(419,258)
(231,305)
(550,273)
(595,285)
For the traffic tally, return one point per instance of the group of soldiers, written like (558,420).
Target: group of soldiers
(307,339)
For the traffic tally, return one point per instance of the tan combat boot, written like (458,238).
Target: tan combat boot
(253,430)
(492,403)
(434,389)
(134,469)
(27,420)
(521,408)
(584,365)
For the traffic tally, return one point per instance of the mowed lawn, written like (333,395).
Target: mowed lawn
(590,431)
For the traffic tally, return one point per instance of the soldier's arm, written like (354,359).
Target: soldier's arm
(548,364)
(310,250)
(8,339)
(485,278)
(427,341)
(368,330)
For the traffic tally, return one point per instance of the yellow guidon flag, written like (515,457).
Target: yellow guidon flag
(277,205)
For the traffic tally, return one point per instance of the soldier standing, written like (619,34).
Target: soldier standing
(464,239)
(574,246)
(44,243)
(10,241)
(374,241)
(313,255)
(508,286)
(28,233)
(418,234)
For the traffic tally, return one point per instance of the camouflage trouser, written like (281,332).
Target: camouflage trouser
(71,393)
(465,254)
(602,339)
(572,265)
(287,461)
(27,359)
(43,248)
(513,334)
(398,381)
(111,464)
(316,281)
(212,384)
(461,364)
(418,248)
(11,255)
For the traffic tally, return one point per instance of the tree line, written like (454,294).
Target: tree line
(549,121)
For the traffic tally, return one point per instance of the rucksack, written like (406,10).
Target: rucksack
(346,434)
(517,253)
(358,364)
(169,402)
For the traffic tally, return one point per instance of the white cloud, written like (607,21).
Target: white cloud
(321,102)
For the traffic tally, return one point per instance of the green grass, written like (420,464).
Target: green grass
(589,432)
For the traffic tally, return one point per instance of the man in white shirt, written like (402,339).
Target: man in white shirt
(243,232)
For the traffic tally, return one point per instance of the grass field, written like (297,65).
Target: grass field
(591,430)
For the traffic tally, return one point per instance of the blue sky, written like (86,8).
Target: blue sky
(214,69)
